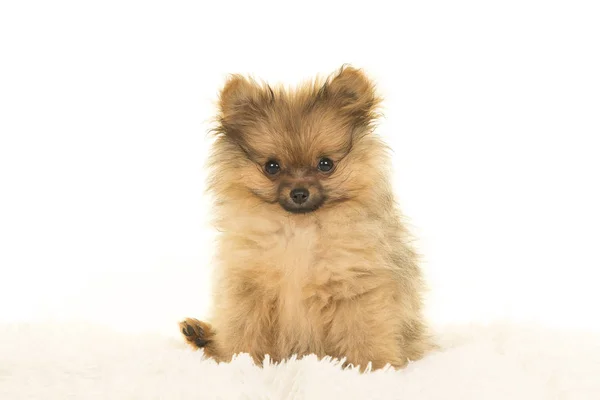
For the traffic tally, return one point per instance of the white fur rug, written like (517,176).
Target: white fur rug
(501,362)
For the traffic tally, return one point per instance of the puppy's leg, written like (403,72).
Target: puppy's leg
(364,330)
(247,332)
(416,341)
(200,334)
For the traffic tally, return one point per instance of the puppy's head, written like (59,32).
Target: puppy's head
(302,149)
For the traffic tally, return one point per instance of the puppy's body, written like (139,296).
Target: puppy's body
(332,274)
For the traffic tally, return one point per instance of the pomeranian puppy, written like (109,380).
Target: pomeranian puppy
(312,255)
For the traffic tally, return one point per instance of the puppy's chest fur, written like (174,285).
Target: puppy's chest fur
(299,257)
(296,257)
(297,273)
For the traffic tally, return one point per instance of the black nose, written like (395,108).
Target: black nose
(299,196)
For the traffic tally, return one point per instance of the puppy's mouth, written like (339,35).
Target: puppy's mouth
(301,199)
(300,209)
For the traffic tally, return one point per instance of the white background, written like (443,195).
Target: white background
(492,109)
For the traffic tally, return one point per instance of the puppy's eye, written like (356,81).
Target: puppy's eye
(272,167)
(325,164)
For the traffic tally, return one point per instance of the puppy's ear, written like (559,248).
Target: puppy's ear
(351,91)
(242,102)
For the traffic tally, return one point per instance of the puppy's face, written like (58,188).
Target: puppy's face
(297,148)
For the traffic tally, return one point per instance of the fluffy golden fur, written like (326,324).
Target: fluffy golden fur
(332,276)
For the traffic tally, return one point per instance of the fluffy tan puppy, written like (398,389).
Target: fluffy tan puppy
(312,254)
